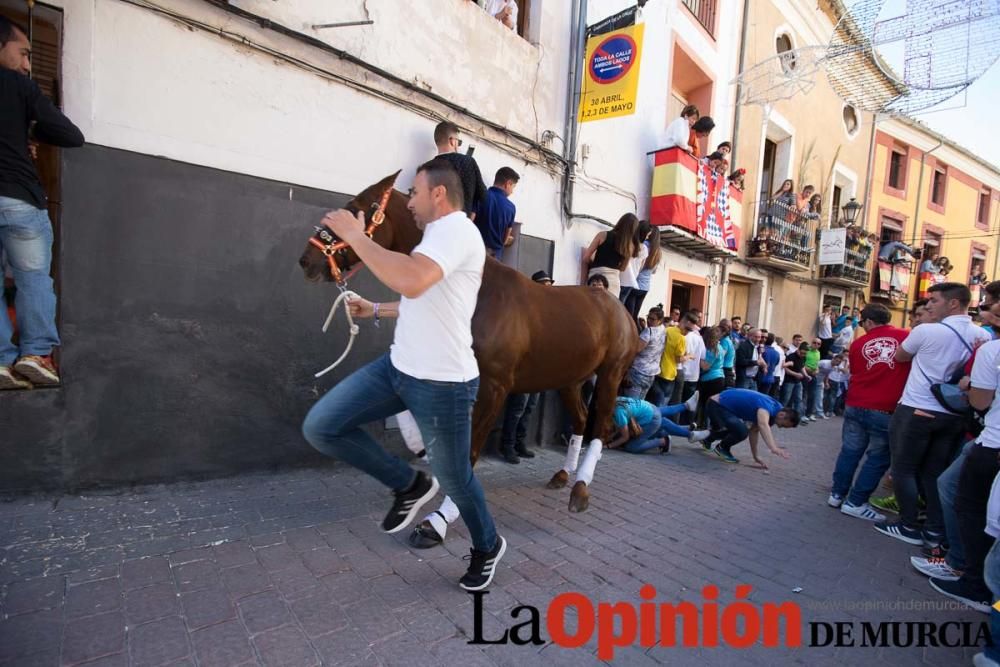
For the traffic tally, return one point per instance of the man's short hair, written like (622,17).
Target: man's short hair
(919,303)
(724,144)
(597,277)
(441,172)
(794,336)
(791,414)
(505,174)
(690,316)
(993,289)
(690,110)
(444,130)
(953,291)
(845,307)
(877,313)
(736,317)
(9,30)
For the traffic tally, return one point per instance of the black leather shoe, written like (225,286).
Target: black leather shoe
(524,452)
(511,457)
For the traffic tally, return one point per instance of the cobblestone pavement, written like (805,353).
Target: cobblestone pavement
(290,568)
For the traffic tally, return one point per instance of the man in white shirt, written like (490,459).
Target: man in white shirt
(694,350)
(678,134)
(779,372)
(980,467)
(430,369)
(923,435)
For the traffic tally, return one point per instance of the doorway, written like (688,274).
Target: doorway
(737,300)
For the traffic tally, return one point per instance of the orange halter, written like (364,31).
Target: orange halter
(331,246)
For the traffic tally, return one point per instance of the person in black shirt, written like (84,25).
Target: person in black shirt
(447,141)
(25,228)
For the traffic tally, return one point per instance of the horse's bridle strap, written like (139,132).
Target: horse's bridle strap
(333,245)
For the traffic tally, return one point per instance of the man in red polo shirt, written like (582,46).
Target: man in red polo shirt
(876,384)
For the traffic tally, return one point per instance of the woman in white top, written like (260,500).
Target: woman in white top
(678,133)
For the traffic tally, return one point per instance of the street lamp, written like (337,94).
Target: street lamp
(851,210)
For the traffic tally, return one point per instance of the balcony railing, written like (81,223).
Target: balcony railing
(783,238)
(856,268)
(704,11)
(696,210)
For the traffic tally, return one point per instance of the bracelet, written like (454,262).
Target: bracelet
(377,323)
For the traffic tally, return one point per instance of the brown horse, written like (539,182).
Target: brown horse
(526,337)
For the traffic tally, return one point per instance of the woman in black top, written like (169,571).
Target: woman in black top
(610,251)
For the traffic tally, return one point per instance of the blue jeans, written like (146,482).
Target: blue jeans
(26,239)
(992,575)
(791,396)
(640,384)
(648,439)
(947,484)
(661,392)
(747,383)
(669,427)
(810,390)
(864,431)
(443,411)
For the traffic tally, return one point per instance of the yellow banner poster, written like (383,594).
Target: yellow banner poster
(611,77)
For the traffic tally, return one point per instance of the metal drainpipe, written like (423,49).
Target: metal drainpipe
(871,166)
(916,218)
(739,88)
(578,40)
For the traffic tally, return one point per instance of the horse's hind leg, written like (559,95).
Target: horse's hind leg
(599,419)
(573,402)
(432,530)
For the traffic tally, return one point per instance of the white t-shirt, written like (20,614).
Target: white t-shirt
(839,373)
(678,133)
(937,353)
(825,327)
(633,266)
(986,375)
(434,331)
(696,350)
(494,7)
(825,367)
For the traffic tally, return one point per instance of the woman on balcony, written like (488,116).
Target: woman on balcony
(678,134)
(609,253)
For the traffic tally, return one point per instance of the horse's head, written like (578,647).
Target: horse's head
(387,221)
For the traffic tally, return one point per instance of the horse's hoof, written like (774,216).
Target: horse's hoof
(559,480)
(579,498)
(424,536)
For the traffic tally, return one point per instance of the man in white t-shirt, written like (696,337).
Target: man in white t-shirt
(979,469)
(923,435)
(430,369)
(694,350)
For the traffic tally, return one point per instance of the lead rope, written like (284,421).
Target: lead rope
(345,294)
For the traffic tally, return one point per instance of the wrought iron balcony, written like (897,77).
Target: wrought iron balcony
(704,11)
(855,267)
(783,238)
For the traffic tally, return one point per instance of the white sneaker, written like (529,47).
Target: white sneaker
(935,567)
(834,500)
(861,512)
(692,403)
(980,660)
(698,436)
(804,420)
(825,416)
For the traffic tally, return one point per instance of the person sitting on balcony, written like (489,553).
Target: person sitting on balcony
(944,266)
(978,277)
(895,252)
(725,148)
(610,252)
(930,263)
(504,11)
(736,178)
(678,133)
(701,129)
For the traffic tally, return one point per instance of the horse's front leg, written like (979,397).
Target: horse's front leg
(572,400)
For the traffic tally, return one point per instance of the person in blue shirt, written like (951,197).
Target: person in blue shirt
(736,414)
(495,215)
(765,380)
(844,320)
(641,426)
(729,340)
(712,379)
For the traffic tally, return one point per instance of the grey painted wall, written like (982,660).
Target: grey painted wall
(190,337)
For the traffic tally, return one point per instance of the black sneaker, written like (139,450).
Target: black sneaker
(483,566)
(960,590)
(524,452)
(900,532)
(408,503)
(510,457)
